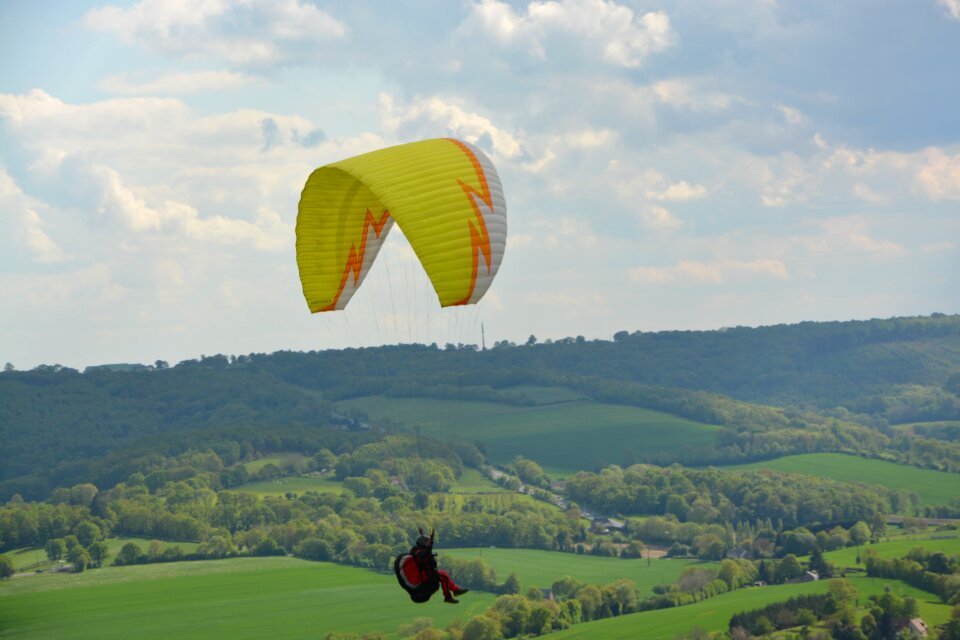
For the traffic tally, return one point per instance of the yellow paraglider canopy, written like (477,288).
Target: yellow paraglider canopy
(444,194)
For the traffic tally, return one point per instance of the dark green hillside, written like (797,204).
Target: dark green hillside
(568,436)
(895,369)
(788,389)
(55,421)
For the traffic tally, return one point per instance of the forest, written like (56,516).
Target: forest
(168,455)
(810,387)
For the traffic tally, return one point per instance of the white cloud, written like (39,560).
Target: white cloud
(952,7)
(589,138)
(603,29)
(20,212)
(268,233)
(651,185)
(93,285)
(519,241)
(678,191)
(433,116)
(173,83)
(874,176)
(867,194)
(686,93)
(540,164)
(248,33)
(566,298)
(709,272)
(567,232)
(937,247)
(163,170)
(791,115)
(849,236)
(656,217)
(939,176)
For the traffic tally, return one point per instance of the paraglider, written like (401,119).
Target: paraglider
(444,194)
(418,574)
(446,198)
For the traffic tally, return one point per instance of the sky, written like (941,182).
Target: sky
(666,164)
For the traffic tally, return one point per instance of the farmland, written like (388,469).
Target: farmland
(933,487)
(715,613)
(238,598)
(895,549)
(541,568)
(290,484)
(29,559)
(254,597)
(582,434)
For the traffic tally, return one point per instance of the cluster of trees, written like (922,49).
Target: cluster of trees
(714,496)
(759,539)
(420,464)
(183,498)
(698,583)
(797,611)
(59,426)
(933,572)
(392,485)
(886,618)
(857,365)
(569,601)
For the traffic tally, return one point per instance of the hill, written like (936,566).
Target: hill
(714,614)
(788,389)
(239,598)
(931,487)
(581,434)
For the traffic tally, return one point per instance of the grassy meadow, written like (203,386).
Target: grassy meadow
(290,598)
(34,558)
(290,484)
(278,460)
(541,568)
(896,549)
(933,487)
(908,427)
(567,436)
(472,481)
(715,613)
(235,599)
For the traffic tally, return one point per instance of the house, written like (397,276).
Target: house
(547,594)
(605,525)
(739,552)
(808,576)
(917,628)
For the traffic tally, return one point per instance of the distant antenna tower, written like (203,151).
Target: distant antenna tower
(483,338)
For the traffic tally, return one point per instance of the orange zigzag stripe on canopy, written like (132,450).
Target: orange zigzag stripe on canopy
(479,239)
(355,259)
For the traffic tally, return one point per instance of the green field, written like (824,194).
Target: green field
(541,568)
(569,436)
(933,487)
(291,484)
(472,481)
(278,460)
(289,598)
(239,598)
(908,427)
(34,558)
(547,395)
(715,613)
(895,549)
